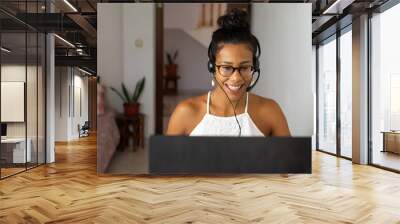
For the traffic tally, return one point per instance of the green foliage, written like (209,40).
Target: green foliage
(171,59)
(126,96)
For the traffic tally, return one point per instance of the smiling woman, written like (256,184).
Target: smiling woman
(229,109)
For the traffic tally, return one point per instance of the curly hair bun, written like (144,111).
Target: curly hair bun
(235,19)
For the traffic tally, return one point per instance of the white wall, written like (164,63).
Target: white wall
(192,60)
(121,60)
(16,73)
(81,103)
(61,108)
(67,81)
(109,48)
(284,32)
(181,15)
(187,15)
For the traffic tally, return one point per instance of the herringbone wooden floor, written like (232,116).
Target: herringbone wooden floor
(70,191)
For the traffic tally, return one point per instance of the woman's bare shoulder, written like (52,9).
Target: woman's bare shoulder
(263,103)
(269,114)
(192,106)
(186,115)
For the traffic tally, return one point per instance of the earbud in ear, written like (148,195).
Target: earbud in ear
(252,84)
(210,67)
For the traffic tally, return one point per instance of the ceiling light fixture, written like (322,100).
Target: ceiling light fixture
(5,50)
(65,41)
(70,5)
(337,7)
(84,71)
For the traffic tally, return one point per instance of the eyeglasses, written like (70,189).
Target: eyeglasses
(226,70)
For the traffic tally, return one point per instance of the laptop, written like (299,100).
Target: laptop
(218,155)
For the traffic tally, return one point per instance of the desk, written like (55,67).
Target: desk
(131,127)
(13,150)
(391,141)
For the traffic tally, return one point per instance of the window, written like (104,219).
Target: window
(327,96)
(385,88)
(346,93)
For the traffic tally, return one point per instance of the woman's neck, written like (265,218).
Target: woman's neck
(219,101)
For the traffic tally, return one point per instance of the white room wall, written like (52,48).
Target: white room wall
(119,59)
(16,73)
(33,126)
(284,32)
(80,103)
(109,48)
(192,60)
(82,81)
(62,80)
(66,121)
(110,72)
(187,16)
(181,15)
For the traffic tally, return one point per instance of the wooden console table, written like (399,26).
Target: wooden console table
(171,79)
(391,141)
(130,128)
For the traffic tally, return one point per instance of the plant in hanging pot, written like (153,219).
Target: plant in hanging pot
(171,68)
(131,104)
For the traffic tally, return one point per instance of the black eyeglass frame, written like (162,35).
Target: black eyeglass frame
(253,70)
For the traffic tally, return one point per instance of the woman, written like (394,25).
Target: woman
(228,109)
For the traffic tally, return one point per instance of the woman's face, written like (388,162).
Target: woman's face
(235,55)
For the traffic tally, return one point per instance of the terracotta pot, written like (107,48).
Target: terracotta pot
(171,69)
(131,109)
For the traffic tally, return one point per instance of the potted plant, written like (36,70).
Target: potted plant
(131,104)
(171,68)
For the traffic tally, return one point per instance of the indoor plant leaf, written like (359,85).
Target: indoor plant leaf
(138,89)
(126,93)
(118,93)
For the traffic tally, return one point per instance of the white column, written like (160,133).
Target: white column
(360,90)
(50,93)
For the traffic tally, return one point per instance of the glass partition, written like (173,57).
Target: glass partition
(14,153)
(22,87)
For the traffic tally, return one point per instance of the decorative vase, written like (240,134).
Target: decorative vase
(171,70)
(131,109)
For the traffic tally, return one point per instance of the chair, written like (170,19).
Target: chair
(84,130)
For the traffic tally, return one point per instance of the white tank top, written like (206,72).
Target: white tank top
(212,125)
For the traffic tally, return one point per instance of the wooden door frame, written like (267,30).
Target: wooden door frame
(159,66)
